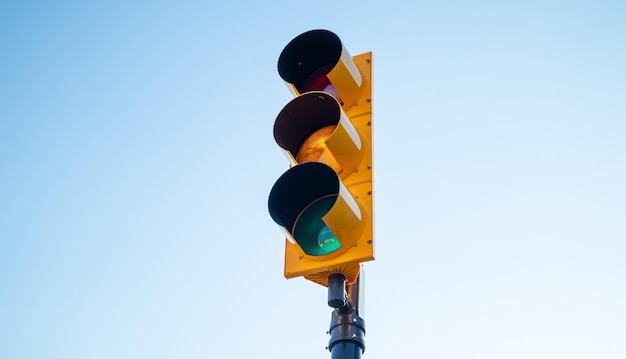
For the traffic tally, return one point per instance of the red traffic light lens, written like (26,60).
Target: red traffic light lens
(318,81)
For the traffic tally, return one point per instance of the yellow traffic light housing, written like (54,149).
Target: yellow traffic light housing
(314,127)
(325,201)
(317,61)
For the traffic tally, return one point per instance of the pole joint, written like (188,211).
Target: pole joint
(347,328)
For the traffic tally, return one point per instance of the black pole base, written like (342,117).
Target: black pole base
(346,350)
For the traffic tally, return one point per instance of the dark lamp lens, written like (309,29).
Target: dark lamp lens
(317,80)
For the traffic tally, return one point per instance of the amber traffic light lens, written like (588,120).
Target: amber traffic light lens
(314,149)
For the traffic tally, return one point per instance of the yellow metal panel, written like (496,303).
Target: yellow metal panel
(363,104)
(354,90)
(346,145)
(347,80)
(346,220)
(359,183)
(361,118)
(363,170)
(297,263)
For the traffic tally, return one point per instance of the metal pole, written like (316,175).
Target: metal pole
(347,329)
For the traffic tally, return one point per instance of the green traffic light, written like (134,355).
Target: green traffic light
(310,231)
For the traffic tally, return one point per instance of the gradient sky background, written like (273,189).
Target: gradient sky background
(136,158)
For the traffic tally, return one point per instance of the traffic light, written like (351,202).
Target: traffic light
(324,202)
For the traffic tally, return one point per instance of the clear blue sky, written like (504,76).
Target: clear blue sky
(136,157)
